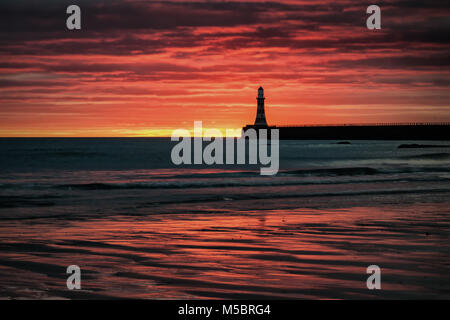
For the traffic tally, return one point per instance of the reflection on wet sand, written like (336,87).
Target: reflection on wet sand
(289,253)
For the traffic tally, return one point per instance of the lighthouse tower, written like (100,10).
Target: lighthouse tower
(260,120)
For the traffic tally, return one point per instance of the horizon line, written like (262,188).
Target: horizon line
(379,124)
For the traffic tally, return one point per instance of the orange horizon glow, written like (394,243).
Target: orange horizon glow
(144,69)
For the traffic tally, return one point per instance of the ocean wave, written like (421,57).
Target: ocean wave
(351,171)
(325,172)
(264,196)
(27,201)
(236,183)
(429,156)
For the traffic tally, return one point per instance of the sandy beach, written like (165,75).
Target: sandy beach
(220,253)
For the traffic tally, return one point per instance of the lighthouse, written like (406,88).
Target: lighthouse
(252,131)
(260,120)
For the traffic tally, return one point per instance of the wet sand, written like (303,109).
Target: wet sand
(293,252)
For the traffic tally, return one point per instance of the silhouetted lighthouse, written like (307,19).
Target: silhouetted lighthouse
(260,120)
(439,131)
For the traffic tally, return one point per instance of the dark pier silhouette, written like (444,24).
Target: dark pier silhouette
(376,131)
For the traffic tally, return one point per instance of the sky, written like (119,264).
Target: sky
(146,68)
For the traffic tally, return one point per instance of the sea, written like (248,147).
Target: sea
(139,226)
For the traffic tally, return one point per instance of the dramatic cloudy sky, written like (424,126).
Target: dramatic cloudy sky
(147,67)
